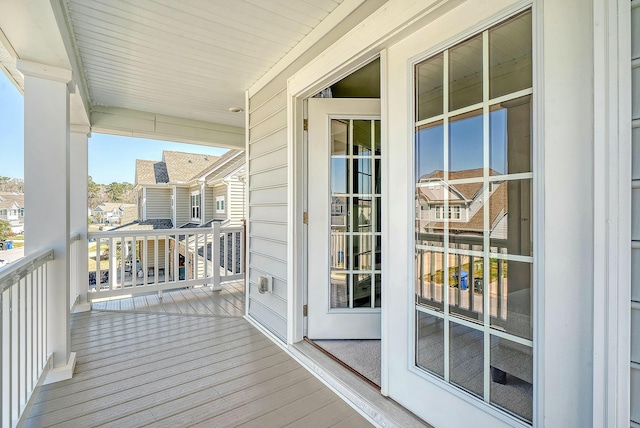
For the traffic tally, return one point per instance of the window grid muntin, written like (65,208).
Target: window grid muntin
(349,232)
(487,254)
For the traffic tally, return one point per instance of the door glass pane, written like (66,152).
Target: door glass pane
(362,137)
(510,136)
(339,209)
(512,376)
(466,358)
(377,142)
(378,291)
(362,252)
(339,136)
(429,87)
(429,153)
(340,246)
(340,293)
(465,145)
(510,56)
(430,343)
(466,274)
(339,175)
(510,217)
(430,279)
(510,297)
(362,290)
(362,211)
(362,177)
(465,73)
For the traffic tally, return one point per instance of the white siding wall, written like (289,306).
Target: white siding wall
(267,193)
(151,253)
(209,204)
(220,190)
(183,206)
(635,227)
(236,203)
(159,204)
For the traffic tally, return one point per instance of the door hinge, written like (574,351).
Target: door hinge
(305,311)
(305,217)
(305,124)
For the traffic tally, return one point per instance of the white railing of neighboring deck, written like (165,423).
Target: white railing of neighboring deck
(24,360)
(143,261)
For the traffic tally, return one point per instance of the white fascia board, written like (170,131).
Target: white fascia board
(343,10)
(390,22)
(134,123)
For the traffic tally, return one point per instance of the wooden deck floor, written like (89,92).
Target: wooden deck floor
(152,369)
(228,302)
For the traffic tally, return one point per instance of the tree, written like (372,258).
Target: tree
(5,230)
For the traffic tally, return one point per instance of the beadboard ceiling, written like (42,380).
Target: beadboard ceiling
(190,58)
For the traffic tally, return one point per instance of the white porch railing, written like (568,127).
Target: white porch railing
(156,260)
(23,334)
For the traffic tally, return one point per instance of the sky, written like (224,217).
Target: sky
(111,158)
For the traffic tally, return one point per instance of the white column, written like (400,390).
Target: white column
(78,209)
(46,168)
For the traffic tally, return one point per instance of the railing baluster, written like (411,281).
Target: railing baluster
(155,260)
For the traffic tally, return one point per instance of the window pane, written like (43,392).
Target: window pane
(465,286)
(362,290)
(429,278)
(339,175)
(512,376)
(466,215)
(465,146)
(430,343)
(362,215)
(339,290)
(339,251)
(465,73)
(361,137)
(510,217)
(510,136)
(362,176)
(429,150)
(510,56)
(339,210)
(466,358)
(378,293)
(339,136)
(362,252)
(429,87)
(377,142)
(510,297)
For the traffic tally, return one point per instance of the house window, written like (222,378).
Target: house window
(21,212)
(473,278)
(220,209)
(195,205)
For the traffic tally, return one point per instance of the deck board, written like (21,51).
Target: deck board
(163,369)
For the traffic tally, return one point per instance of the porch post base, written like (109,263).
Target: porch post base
(215,287)
(62,373)
(82,307)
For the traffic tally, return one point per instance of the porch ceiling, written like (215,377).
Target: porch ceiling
(192,59)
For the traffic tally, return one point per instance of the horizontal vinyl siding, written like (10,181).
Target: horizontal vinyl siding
(159,204)
(151,253)
(183,206)
(236,204)
(209,204)
(220,190)
(267,193)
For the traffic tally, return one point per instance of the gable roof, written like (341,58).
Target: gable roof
(227,164)
(182,167)
(151,172)
(8,199)
(110,206)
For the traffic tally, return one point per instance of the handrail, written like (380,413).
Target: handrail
(21,268)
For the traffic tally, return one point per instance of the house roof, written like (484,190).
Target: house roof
(151,172)
(183,167)
(147,225)
(110,206)
(227,164)
(8,199)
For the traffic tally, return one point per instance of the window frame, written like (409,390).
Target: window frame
(196,205)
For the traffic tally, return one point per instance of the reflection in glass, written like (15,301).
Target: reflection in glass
(339,136)
(361,137)
(429,278)
(378,214)
(465,73)
(510,297)
(362,252)
(466,358)
(510,136)
(378,260)
(510,56)
(510,217)
(339,290)
(430,343)
(378,174)
(361,214)
(512,376)
(362,176)
(378,291)
(465,286)
(377,142)
(429,150)
(339,175)
(465,145)
(340,251)
(429,87)
(361,290)
(339,210)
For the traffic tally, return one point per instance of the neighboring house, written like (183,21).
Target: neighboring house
(12,210)
(192,190)
(113,212)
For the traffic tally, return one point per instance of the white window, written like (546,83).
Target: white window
(220,205)
(438,213)
(195,205)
